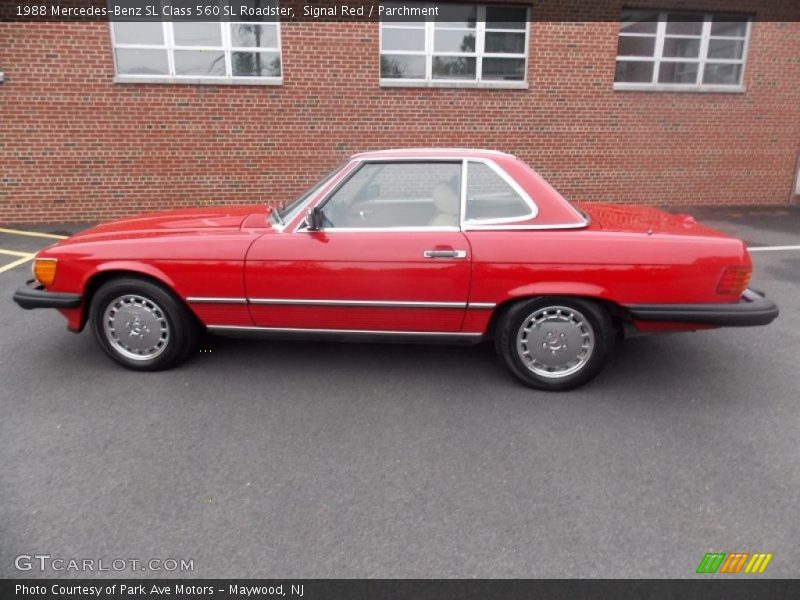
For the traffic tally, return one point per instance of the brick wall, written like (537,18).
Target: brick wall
(77,147)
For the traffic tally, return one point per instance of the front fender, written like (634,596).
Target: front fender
(87,273)
(127,266)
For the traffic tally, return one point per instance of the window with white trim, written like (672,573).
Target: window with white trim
(213,51)
(469,43)
(491,199)
(682,51)
(397,194)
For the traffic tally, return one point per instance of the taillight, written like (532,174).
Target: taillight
(44,270)
(734,280)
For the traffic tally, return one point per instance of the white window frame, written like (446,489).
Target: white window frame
(705,37)
(797,183)
(333,186)
(429,26)
(227,48)
(533,210)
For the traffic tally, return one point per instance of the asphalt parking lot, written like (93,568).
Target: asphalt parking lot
(301,459)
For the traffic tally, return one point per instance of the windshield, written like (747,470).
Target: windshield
(288,212)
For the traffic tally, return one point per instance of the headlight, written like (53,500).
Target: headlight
(44,270)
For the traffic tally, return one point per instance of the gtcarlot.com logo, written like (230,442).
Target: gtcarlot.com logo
(46,562)
(732,562)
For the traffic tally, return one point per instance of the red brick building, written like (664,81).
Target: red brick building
(663,108)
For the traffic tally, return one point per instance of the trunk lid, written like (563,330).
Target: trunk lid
(643,219)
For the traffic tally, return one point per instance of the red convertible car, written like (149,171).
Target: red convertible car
(448,245)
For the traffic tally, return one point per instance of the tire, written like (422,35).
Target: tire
(555,343)
(142,325)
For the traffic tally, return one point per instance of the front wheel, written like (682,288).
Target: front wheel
(141,325)
(555,343)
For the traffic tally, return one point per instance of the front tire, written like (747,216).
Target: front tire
(555,343)
(141,325)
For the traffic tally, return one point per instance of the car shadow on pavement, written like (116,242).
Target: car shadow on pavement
(642,370)
(638,365)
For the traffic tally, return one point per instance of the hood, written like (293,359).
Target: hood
(642,219)
(176,221)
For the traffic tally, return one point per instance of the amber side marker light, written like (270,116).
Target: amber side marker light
(44,270)
(734,280)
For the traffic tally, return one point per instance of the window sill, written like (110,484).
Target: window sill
(198,80)
(665,87)
(494,85)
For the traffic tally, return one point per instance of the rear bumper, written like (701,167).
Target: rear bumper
(32,295)
(752,309)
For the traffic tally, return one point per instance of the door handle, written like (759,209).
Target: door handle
(445,254)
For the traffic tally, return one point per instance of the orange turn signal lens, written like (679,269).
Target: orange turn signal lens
(44,270)
(734,280)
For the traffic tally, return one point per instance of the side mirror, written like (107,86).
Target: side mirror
(313,219)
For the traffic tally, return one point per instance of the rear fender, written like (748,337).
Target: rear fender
(559,288)
(587,291)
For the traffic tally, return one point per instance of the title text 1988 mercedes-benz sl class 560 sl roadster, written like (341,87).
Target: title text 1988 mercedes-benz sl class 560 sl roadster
(448,245)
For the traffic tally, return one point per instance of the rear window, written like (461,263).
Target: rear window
(490,197)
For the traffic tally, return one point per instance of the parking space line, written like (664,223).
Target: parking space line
(33,233)
(16,263)
(772,248)
(14,253)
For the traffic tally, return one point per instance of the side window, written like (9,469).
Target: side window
(679,51)
(483,45)
(490,197)
(401,194)
(200,52)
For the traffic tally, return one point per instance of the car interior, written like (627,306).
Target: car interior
(412,194)
(397,195)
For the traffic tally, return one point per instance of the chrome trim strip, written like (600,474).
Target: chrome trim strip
(357,303)
(466,227)
(204,300)
(343,303)
(470,334)
(386,229)
(525,227)
(462,201)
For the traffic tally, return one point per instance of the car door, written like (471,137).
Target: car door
(388,257)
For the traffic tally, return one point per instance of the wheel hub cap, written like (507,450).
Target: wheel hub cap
(555,341)
(136,327)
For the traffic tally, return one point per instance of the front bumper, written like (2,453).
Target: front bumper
(752,309)
(32,295)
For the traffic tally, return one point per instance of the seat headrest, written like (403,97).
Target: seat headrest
(445,199)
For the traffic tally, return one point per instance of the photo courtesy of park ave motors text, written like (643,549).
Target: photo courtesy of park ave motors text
(399,291)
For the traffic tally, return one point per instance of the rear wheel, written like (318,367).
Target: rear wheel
(555,343)
(141,325)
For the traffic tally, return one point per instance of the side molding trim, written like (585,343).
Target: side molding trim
(342,303)
(369,334)
(202,300)
(356,303)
